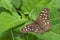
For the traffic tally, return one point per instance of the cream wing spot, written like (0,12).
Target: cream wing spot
(46,11)
(37,29)
(45,17)
(41,14)
(25,27)
(44,14)
(42,11)
(32,29)
(47,28)
(28,28)
(45,23)
(30,25)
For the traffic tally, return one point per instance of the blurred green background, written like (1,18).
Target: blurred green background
(15,14)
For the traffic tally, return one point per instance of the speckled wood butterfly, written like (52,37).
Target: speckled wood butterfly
(41,25)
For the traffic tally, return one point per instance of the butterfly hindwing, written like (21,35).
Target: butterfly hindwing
(33,27)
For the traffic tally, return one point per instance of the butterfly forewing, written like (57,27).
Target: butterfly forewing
(43,15)
(41,25)
(43,20)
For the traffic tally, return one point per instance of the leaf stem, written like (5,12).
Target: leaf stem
(12,34)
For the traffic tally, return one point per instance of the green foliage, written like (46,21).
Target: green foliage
(15,14)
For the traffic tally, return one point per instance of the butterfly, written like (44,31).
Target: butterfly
(41,25)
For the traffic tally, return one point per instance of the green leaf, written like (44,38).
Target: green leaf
(48,36)
(54,10)
(7,21)
(5,36)
(17,3)
(30,9)
(8,6)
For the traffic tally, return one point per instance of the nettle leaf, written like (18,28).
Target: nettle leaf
(6,36)
(17,3)
(31,9)
(7,21)
(9,18)
(8,6)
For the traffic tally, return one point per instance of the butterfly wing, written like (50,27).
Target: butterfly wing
(43,20)
(41,25)
(33,27)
